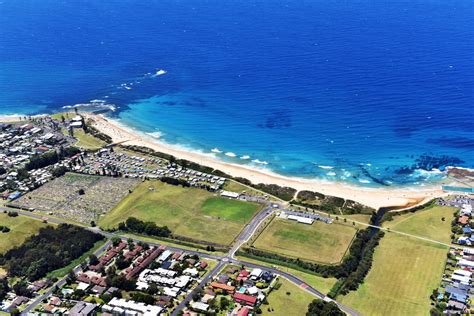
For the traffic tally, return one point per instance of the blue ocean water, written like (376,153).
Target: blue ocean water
(368,92)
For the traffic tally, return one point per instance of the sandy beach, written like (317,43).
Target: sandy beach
(10,118)
(374,197)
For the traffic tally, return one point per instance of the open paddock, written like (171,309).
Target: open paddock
(188,212)
(319,242)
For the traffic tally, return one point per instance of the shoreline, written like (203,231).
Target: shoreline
(373,197)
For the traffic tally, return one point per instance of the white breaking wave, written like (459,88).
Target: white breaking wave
(364,181)
(245,157)
(156,134)
(160,72)
(326,167)
(230,154)
(216,150)
(332,173)
(260,162)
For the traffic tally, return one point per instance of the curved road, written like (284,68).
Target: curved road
(244,236)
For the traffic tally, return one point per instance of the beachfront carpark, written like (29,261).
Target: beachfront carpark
(188,212)
(316,242)
(405,270)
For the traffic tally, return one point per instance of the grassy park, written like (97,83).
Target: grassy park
(319,242)
(87,141)
(427,223)
(288,297)
(21,227)
(188,212)
(405,270)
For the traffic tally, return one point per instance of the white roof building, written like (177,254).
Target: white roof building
(466,263)
(125,306)
(229,194)
(300,219)
(463,273)
(199,306)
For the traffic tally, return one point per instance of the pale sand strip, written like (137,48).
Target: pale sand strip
(11,118)
(369,196)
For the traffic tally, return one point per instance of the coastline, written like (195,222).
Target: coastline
(7,118)
(373,197)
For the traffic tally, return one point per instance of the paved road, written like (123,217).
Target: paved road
(201,285)
(222,260)
(250,229)
(31,306)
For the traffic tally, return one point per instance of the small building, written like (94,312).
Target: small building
(301,219)
(199,306)
(229,194)
(228,288)
(83,309)
(245,299)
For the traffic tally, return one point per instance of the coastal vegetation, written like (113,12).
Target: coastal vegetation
(192,213)
(330,204)
(319,242)
(405,269)
(52,248)
(21,227)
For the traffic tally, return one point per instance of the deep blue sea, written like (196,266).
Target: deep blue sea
(379,93)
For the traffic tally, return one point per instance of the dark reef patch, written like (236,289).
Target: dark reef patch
(453,142)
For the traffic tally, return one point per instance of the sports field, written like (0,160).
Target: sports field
(188,212)
(319,242)
(21,227)
(289,299)
(405,270)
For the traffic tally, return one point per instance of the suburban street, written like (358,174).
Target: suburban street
(244,236)
(61,282)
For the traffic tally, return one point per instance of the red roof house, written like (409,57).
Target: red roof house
(245,299)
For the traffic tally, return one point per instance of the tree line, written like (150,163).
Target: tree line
(135,225)
(352,269)
(51,249)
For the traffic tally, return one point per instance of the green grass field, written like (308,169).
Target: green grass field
(425,223)
(87,141)
(405,269)
(188,212)
(318,242)
(289,299)
(21,227)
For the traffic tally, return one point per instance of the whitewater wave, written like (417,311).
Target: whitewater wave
(257,161)
(331,173)
(156,134)
(326,167)
(160,72)
(92,105)
(364,181)
(216,150)
(230,154)
(245,157)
